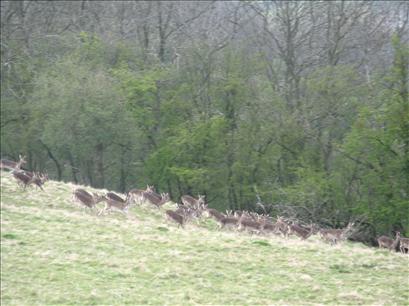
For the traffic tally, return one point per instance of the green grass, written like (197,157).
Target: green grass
(54,252)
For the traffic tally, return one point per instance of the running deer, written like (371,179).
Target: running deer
(115,201)
(266,225)
(215,214)
(190,201)
(155,200)
(301,232)
(247,222)
(187,212)
(335,235)
(12,165)
(231,220)
(404,244)
(281,227)
(85,198)
(388,243)
(39,179)
(137,195)
(179,218)
(23,178)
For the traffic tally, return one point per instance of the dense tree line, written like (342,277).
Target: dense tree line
(294,108)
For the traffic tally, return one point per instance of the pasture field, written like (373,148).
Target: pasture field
(54,252)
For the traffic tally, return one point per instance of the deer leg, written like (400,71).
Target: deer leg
(102,209)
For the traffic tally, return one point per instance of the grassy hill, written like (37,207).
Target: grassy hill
(53,252)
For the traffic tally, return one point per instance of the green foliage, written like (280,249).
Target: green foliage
(379,143)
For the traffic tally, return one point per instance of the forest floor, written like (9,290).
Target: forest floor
(55,252)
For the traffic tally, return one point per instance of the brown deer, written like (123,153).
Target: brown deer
(137,195)
(266,224)
(177,217)
(187,212)
(190,201)
(404,244)
(12,165)
(155,200)
(281,227)
(302,232)
(388,243)
(335,235)
(246,222)
(26,178)
(23,178)
(115,201)
(39,179)
(230,221)
(87,199)
(215,214)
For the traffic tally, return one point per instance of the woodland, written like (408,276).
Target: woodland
(292,108)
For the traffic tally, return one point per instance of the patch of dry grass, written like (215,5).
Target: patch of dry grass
(55,252)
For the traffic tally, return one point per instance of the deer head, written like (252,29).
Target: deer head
(21,162)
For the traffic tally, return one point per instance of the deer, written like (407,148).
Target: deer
(301,232)
(335,235)
(115,201)
(388,243)
(12,165)
(245,221)
(137,195)
(281,227)
(404,244)
(87,199)
(26,178)
(231,220)
(266,225)
(23,178)
(39,179)
(190,201)
(215,214)
(157,201)
(178,217)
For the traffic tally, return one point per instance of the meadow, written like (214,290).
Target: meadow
(55,252)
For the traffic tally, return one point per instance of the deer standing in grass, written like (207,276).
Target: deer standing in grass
(389,243)
(335,235)
(87,199)
(12,165)
(115,201)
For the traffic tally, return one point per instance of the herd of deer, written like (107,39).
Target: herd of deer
(192,208)
(24,178)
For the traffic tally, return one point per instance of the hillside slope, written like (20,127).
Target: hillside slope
(53,252)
